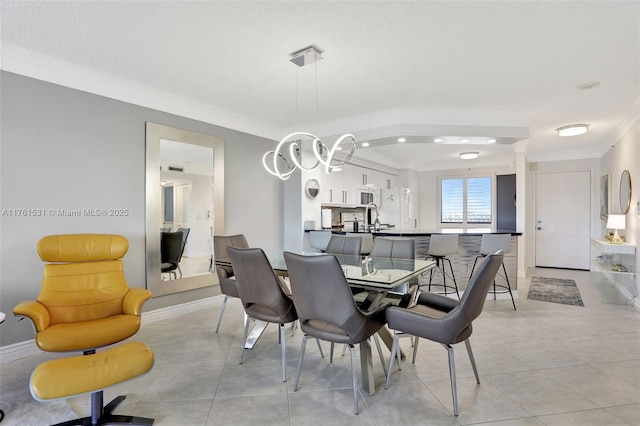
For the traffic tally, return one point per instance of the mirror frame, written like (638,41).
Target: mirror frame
(625,178)
(153,220)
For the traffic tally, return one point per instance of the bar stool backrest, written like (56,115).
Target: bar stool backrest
(443,245)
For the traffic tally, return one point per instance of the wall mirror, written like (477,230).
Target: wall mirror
(625,191)
(184,192)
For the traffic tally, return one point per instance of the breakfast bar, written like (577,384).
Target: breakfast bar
(462,261)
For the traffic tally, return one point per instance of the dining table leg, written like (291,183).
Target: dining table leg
(366,367)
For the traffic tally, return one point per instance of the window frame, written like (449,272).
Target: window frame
(464,223)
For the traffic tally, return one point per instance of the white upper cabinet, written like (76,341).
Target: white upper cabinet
(339,188)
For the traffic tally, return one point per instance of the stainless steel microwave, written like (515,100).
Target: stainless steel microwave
(366,196)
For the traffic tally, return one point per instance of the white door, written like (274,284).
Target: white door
(563,214)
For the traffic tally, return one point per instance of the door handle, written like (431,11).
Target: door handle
(539,228)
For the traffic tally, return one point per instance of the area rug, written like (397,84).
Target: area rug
(555,290)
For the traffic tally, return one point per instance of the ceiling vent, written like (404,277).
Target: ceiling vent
(176,169)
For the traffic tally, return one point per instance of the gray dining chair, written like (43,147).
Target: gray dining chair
(344,244)
(397,248)
(262,294)
(326,308)
(225,273)
(444,320)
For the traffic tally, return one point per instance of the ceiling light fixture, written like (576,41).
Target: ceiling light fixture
(323,154)
(572,130)
(365,144)
(402,140)
(464,140)
(469,155)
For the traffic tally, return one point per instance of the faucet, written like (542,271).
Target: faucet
(366,218)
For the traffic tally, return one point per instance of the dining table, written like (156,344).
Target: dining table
(375,277)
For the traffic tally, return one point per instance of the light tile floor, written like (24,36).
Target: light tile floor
(544,364)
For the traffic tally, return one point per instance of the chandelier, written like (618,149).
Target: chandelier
(287,157)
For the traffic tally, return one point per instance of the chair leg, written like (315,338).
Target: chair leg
(320,348)
(103,415)
(506,278)
(453,276)
(302,348)
(224,305)
(452,374)
(331,353)
(244,339)
(283,349)
(394,350)
(354,378)
(467,343)
(180,270)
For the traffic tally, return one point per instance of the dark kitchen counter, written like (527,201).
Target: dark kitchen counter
(393,232)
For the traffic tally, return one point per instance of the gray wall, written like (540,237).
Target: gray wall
(66,149)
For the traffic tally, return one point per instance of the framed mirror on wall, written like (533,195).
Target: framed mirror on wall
(625,191)
(185,196)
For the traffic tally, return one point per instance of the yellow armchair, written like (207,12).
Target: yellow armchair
(85,302)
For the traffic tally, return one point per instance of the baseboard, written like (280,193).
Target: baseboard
(184,308)
(633,300)
(28,348)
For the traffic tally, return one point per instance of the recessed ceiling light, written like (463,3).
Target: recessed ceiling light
(465,140)
(572,130)
(365,144)
(469,155)
(163,183)
(491,141)
(402,140)
(438,140)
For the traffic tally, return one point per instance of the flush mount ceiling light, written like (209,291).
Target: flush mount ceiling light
(469,155)
(572,130)
(402,140)
(275,161)
(467,140)
(365,144)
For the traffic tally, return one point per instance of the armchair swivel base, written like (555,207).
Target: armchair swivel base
(67,377)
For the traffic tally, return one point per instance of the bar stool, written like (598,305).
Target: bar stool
(440,246)
(489,244)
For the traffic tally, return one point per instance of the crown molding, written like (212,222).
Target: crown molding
(41,67)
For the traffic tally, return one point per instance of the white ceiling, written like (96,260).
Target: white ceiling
(416,69)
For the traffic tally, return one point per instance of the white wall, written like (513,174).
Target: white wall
(64,148)
(625,156)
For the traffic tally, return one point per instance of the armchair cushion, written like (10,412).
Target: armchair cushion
(85,335)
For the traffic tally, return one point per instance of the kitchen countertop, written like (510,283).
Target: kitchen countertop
(393,232)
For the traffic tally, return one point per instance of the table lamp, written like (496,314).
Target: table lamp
(616,221)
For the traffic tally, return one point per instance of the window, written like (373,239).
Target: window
(465,200)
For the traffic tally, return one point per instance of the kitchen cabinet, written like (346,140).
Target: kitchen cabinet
(339,187)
